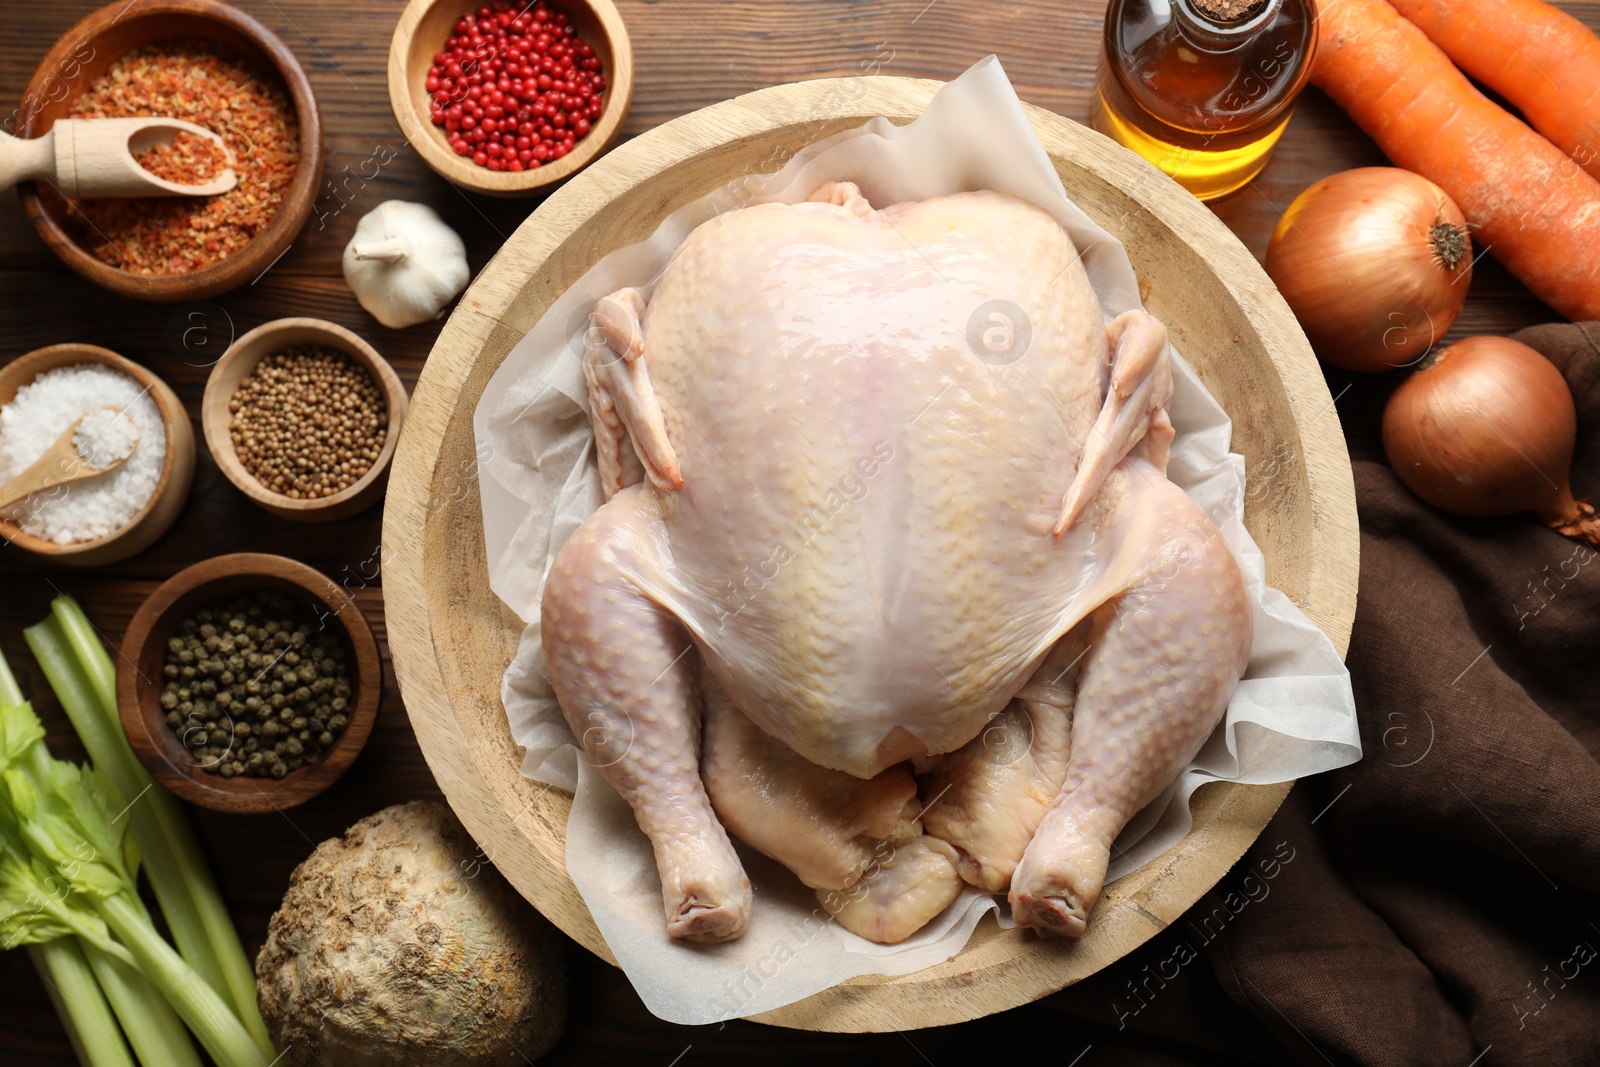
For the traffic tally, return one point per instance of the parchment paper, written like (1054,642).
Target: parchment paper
(1292,715)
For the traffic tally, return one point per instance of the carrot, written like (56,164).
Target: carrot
(1533,206)
(1540,58)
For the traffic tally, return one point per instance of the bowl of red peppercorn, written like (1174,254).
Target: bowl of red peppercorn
(506,99)
(212,64)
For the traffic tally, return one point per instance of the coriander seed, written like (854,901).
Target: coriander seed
(307,423)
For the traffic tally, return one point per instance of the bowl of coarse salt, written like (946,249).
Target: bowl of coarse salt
(103,517)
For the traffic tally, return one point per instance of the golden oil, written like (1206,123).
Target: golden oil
(1203,88)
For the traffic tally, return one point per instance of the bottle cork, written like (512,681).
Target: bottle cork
(1228,10)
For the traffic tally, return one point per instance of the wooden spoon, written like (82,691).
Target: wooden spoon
(95,157)
(61,463)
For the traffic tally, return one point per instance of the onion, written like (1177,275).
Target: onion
(1375,264)
(1485,427)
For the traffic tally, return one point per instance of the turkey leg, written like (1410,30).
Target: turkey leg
(624,670)
(1163,660)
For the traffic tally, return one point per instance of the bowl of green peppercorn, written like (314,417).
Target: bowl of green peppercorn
(249,683)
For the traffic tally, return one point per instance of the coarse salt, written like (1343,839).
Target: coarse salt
(46,408)
(105,436)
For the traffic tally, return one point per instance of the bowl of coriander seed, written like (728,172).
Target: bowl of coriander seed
(249,682)
(302,415)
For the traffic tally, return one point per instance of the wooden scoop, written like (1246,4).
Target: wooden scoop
(60,464)
(95,157)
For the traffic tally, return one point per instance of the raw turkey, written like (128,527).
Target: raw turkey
(889,581)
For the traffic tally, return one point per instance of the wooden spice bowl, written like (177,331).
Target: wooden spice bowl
(140,680)
(172,486)
(87,51)
(237,363)
(423,28)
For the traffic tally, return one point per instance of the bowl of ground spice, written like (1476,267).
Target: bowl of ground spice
(110,516)
(509,98)
(208,63)
(248,682)
(302,416)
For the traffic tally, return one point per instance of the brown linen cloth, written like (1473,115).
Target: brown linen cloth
(1438,902)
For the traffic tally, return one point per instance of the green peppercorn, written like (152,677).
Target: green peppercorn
(254,686)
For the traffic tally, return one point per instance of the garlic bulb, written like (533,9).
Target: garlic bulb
(404,264)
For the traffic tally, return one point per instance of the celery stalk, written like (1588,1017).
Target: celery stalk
(148,1021)
(109,752)
(224,949)
(202,1008)
(61,828)
(73,658)
(76,994)
(84,640)
(67,977)
(10,692)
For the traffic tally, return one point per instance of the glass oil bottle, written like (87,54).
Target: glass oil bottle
(1203,88)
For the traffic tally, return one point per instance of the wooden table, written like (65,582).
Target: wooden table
(690,53)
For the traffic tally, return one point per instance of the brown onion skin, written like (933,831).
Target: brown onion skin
(1354,256)
(1484,428)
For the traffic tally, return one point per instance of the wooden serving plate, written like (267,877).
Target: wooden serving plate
(451,638)
(144,655)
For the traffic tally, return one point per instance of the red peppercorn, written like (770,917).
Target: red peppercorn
(515,86)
